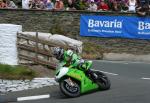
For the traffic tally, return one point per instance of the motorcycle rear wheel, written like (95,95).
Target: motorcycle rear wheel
(103,81)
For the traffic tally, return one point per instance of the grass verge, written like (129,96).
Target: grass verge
(16,72)
(92,51)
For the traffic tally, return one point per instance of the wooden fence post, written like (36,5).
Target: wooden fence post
(37,48)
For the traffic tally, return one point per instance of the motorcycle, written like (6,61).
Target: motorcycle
(73,82)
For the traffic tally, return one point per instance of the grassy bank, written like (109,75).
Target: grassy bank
(16,72)
(92,51)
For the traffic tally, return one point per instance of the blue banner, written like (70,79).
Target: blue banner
(115,26)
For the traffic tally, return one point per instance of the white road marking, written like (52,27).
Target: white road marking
(146,78)
(125,63)
(33,97)
(109,73)
(46,78)
(2,94)
(105,72)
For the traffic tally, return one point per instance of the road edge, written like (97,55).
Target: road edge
(126,57)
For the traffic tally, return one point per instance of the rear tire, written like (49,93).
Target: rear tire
(103,81)
(70,91)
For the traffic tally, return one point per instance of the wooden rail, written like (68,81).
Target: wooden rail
(32,49)
(39,61)
(35,49)
(31,38)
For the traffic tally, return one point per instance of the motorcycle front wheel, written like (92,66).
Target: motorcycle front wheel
(70,88)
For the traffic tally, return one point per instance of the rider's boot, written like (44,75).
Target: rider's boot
(91,74)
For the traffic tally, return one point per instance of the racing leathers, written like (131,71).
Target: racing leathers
(75,61)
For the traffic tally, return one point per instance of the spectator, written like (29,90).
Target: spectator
(81,4)
(143,8)
(132,5)
(116,6)
(124,5)
(2,4)
(32,4)
(44,1)
(59,5)
(49,5)
(144,3)
(97,1)
(39,4)
(25,4)
(103,6)
(11,4)
(92,6)
(70,5)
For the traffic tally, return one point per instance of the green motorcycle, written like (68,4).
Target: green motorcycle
(74,82)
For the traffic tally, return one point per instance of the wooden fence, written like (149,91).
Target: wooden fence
(32,53)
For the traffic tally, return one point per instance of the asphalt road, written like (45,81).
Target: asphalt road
(130,84)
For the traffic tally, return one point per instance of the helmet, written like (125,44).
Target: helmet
(58,52)
(69,53)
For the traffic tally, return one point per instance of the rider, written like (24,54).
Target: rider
(70,59)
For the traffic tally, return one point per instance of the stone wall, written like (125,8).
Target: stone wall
(43,21)
(67,23)
(47,21)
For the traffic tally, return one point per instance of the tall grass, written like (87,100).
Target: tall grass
(16,72)
(92,51)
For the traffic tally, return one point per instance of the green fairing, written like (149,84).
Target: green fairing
(86,83)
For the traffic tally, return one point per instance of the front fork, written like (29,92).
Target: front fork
(70,82)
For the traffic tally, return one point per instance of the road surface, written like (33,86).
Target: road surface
(130,83)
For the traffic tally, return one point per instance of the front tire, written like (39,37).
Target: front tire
(68,90)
